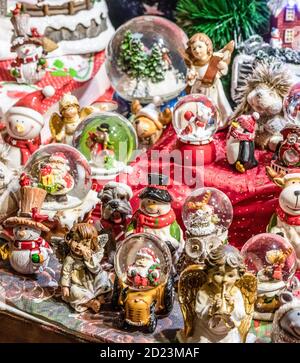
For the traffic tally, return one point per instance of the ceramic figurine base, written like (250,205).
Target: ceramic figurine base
(195,152)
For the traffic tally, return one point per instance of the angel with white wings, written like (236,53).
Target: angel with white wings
(64,124)
(206,68)
(217,299)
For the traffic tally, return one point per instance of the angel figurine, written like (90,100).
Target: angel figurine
(206,69)
(63,125)
(84,283)
(217,299)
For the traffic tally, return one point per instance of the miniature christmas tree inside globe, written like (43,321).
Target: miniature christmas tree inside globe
(195,119)
(63,172)
(206,212)
(143,261)
(292,105)
(107,140)
(144,59)
(271,258)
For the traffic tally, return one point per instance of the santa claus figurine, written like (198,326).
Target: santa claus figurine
(145,271)
(156,216)
(55,178)
(29,253)
(24,122)
(240,146)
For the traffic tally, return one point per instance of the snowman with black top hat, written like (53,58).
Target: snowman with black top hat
(156,216)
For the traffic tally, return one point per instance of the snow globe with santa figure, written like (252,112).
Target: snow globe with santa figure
(64,173)
(107,140)
(143,287)
(195,120)
(273,260)
(144,59)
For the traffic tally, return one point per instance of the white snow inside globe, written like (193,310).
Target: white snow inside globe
(141,253)
(292,105)
(206,212)
(195,119)
(63,172)
(144,59)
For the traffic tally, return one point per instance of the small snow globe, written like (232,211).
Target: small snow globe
(144,59)
(292,105)
(195,119)
(207,212)
(63,172)
(273,260)
(143,261)
(107,140)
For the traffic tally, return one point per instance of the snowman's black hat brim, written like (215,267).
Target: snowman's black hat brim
(160,195)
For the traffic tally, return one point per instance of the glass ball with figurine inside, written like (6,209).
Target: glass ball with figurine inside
(144,59)
(195,120)
(143,287)
(273,260)
(107,140)
(207,215)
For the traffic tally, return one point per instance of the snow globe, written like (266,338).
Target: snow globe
(144,59)
(195,120)
(107,140)
(65,174)
(273,260)
(143,286)
(291,105)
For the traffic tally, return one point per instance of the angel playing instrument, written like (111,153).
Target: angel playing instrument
(217,299)
(63,125)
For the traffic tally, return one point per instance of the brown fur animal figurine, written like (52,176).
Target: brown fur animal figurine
(264,93)
(149,122)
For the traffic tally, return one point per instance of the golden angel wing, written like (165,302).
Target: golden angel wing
(190,281)
(56,124)
(248,286)
(86,111)
(227,51)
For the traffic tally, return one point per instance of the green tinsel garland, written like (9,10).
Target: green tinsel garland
(223,20)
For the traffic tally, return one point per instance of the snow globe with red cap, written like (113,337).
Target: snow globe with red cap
(195,120)
(273,260)
(108,141)
(143,286)
(63,172)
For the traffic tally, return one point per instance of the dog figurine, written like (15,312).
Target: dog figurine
(286,220)
(116,213)
(149,122)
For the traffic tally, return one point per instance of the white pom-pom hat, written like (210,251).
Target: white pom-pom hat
(32,105)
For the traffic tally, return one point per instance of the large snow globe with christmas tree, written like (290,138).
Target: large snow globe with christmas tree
(63,172)
(108,141)
(272,259)
(207,212)
(144,59)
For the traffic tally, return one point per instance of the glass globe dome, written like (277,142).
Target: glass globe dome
(142,250)
(195,119)
(63,172)
(292,105)
(207,211)
(107,140)
(271,258)
(144,59)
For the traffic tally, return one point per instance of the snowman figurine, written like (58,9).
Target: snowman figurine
(29,253)
(24,122)
(31,47)
(55,178)
(156,216)
(275,41)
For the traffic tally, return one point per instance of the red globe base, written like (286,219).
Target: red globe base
(198,153)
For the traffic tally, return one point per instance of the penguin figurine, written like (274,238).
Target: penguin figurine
(240,144)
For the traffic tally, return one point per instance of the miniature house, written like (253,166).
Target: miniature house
(285,16)
(77,26)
